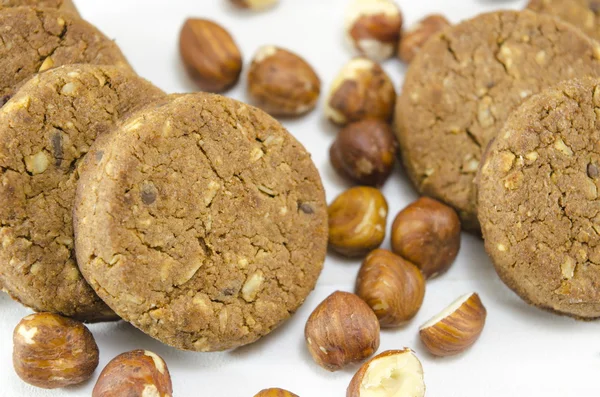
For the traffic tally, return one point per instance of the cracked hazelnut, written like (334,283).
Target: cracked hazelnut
(275,393)
(357,221)
(342,330)
(427,233)
(394,373)
(362,90)
(415,38)
(135,373)
(210,55)
(282,83)
(373,27)
(391,286)
(456,328)
(51,351)
(255,5)
(365,152)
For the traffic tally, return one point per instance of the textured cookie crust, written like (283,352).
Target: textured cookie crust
(62,5)
(202,221)
(45,130)
(584,14)
(37,40)
(538,200)
(462,86)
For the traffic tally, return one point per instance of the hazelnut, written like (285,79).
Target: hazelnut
(391,286)
(275,393)
(342,330)
(357,221)
(456,328)
(282,83)
(135,373)
(52,351)
(394,373)
(365,152)
(255,5)
(415,38)
(373,27)
(427,233)
(362,90)
(210,55)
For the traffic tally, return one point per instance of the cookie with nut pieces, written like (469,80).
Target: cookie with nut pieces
(201,221)
(62,5)
(45,131)
(538,200)
(463,85)
(38,40)
(585,14)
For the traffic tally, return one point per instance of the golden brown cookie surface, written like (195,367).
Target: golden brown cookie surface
(62,5)
(584,14)
(538,200)
(465,82)
(45,130)
(37,40)
(201,221)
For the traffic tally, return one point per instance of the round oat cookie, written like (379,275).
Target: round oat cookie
(33,41)
(584,14)
(538,200)
(45,130)
(62,5)
(201,221)
(463,85)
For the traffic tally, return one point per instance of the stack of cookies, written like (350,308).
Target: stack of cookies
(500,118)
(197,218)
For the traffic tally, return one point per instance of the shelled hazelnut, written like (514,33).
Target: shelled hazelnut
(392,287)
(210,55)
(394,373)
(415,38)
(342,330)
(282,83)
(365,152)
(275,393)
(456,328)
(427,233)
(373,27)
(362,90)
(135,373)
(357,221)
(51,351)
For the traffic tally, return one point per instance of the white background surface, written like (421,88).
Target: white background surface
(522,352)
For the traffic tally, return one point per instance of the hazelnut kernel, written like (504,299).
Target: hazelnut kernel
(427,233)
(342,330)
(362,90)
(51,351)
(282,83)
(373,27)
(365,152)
(210,55)
(357,221)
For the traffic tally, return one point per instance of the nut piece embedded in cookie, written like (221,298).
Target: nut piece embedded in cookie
(365,152)
(427,233)
(414,38)
(394,373)
(342,330)
(282,83)
(362,90)
(51,351)
(373,27)
(392,287)
(357,221)
(275,393)
(135,373)
(456,328)
(255,5)
(210,55)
